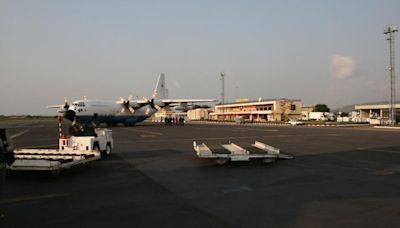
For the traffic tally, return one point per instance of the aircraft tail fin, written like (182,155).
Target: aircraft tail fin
(160,91)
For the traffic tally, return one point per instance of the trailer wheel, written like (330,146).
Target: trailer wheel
(221,161)
(55,172)
(268,160)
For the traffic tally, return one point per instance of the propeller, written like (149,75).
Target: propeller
(63,108)
(151,105)
(66,105)
(126,104)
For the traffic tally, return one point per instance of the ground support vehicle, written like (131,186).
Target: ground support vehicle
(72,151)
(234,152)
(295,122)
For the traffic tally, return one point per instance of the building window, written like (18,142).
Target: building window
(292,107)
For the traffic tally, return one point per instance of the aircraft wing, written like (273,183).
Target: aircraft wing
(172,101)
(55,106)
(140,101)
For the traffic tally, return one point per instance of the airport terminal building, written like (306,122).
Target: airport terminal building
(260,110)
(376,111)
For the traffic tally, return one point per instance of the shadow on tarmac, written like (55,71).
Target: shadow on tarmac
(350,188)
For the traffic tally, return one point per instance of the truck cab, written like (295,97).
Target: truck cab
(101,141)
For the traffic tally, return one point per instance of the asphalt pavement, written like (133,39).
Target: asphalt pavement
(341,176)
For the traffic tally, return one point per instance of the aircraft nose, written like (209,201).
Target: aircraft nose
(70,115)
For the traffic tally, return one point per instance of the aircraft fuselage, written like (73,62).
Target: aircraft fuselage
(109,112)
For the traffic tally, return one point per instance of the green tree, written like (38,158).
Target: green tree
(321,108)
(196,106)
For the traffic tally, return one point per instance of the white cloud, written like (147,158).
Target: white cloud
(343,66)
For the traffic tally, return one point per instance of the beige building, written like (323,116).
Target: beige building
(166,113)
(198,114)
(261,110)
(305,112)
(367,112)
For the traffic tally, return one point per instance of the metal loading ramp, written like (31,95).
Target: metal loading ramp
(234,152)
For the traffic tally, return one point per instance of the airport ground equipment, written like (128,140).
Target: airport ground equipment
(6,157)
(236,153)
(72,151)
(295,122)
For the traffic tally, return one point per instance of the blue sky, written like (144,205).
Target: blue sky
(331,52)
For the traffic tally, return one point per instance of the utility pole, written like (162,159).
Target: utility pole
(223,95)
(390,30)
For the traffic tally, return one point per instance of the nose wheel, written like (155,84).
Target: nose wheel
(70,115)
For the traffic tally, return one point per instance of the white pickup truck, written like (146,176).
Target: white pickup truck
(72,151)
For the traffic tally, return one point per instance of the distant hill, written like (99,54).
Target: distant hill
(350,108)
(347,108)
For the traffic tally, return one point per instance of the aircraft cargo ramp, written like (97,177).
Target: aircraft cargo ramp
(234,152)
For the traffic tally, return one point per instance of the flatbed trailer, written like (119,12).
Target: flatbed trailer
(51,160)
(72,151)
(236,153)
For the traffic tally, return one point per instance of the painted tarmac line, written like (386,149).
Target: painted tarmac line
(147,136)
(225,138)
(22,126)
(385,151)
(32,198)
(256,129)
(188,139)
(19,134)
(388,151)
(147,132)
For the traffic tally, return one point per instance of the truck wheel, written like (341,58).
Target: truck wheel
(107,152)
(96,146)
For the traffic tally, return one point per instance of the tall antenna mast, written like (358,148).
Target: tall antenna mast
(390,30)
(223,95)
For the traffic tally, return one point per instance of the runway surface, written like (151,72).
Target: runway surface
(339,177)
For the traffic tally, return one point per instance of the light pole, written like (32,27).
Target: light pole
(390,30)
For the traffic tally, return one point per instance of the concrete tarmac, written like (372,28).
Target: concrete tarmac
(340,177)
